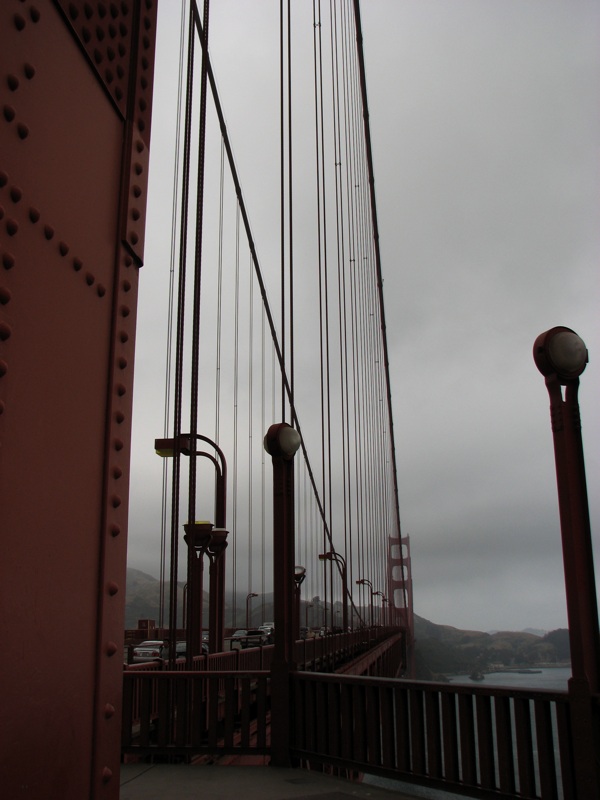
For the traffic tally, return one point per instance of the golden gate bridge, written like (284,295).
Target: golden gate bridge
(291,345)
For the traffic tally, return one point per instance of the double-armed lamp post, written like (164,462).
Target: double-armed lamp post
(331,555)
(367,582)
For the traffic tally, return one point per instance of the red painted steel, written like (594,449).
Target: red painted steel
(71,230)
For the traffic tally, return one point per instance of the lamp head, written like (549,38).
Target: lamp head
(561,352)
(283,441)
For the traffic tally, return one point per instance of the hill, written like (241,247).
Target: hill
(442,649)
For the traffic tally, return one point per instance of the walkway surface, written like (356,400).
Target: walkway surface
(212,782)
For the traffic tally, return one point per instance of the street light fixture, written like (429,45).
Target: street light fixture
(306,607)
(561,356)
(282,442)
(248,598)
(380,594)
(367,582)
(331,555)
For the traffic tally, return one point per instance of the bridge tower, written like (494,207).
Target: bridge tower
(76,93)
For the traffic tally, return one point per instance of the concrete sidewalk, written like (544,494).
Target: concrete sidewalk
(213,782)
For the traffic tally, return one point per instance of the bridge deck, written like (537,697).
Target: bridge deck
(180,782)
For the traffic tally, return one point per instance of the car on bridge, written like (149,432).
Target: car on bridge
(150,650)
(248,637)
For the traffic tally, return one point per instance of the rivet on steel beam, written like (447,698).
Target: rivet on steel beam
(109,711)
(1,407)
(5,295)
(88,10)
(145,62)
(143,104)
(114,10)
(101,10)
(8,260)
(100,290)
(147,22)
(119,418)
(15,194)
(137,168)
(34,14)
(136,190)
(117,473)
(144,82)
(3,178)
(106,774)
(121,49)
(125,311)
(126,285)
(73,11)
(85,34)
(133,237)
(128,261)
(145,42)
(9,113)
(121,390)
(135,214)
(125,8)
(22,130)
(141,125)
(118,445)
(89,278)
(112,588)
(115,530)
(124,336)
(63,248)
(19,21)
(110,53)
(120,71)
(1,212)
(5,331)
(77,264)
(122,362)
(3,368)
(123,29)
(139,145)
(100,33)
(115,501)
(118,93)
(34,214)
(108,74)
(48,232)
(13,82)
(12,226)
(111,648)
(98,56)
(29,71)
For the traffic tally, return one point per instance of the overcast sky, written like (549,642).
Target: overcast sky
(486,129)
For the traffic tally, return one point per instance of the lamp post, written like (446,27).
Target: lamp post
(282,442)
(248,598)
(306,607)
(214,546)
(561,356)
(331,555)
(299,576)
(380,594)
(367,582)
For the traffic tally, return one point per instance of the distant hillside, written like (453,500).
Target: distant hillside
(442,649)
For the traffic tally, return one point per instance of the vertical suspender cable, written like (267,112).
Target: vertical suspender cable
(168,365)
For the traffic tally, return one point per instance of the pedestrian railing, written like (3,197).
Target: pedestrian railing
(481,742)
(178,714)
